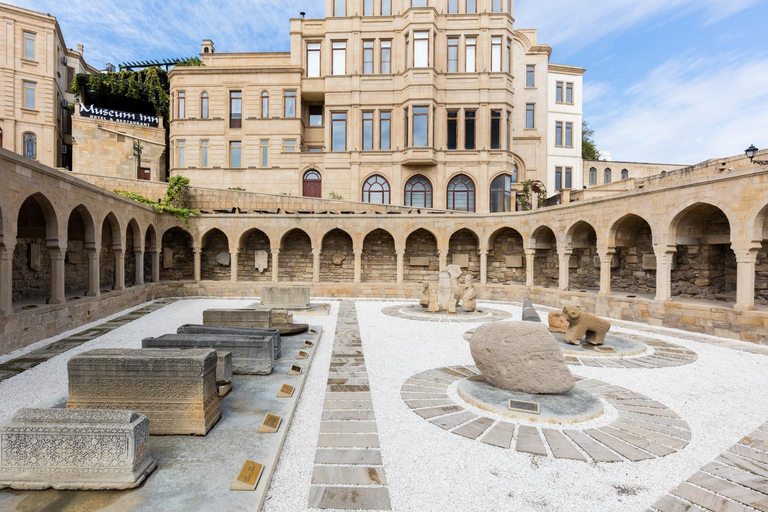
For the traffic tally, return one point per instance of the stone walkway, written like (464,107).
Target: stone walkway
(31,359)
(735,481)
(348,472)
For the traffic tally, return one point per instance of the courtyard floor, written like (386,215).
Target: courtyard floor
(369,428)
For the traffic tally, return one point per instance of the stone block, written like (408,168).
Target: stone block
(285,297)
(261,260)
(167,257)
(419,261)
(281,317)
(250,318)
(35,257)
(461,260)
(223,259)
(649,262)
(175,389)
(223,367)
(514,261)
(273,334)
(78,450)
(251,355)
(529,312)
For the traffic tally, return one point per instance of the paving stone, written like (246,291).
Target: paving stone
(595,450)
(751,453)
(745,478)
(670,422)
(673,442)
(454,420)
(627,450)
(425,384)
(731,490)
(349,498)
(348,440)
(756,439)
(341,456)
(640,442)
(330,395)
(707,499)
(347,404)
(423,396)
(474,429)
(433,412)
(648,410)
(500,435)
(422,389)
(528,441)
(418,404)
(348,475)
(671,504)
(360,427)
(561,447)
(347,415)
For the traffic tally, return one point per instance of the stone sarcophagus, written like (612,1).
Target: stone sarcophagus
(175,389)
(285,297)
(238,331)
(249,318)
(251,355)
(67,449)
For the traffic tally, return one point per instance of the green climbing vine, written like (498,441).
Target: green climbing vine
(150,84)
(176,201)
(530,187)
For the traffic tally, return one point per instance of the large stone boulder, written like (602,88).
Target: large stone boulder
(521,356)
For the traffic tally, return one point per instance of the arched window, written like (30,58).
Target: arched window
(514,173)
(264,105)
(313,184)
(418,192)
(501,194)
(593,176)
(30,145)
(376,190)
(204,106)
(607,176)
(461,194)
(624,174)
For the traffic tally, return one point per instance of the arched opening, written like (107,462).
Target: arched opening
(705,263)
(150,247)
(254,262)
(545,262)
(635,262)
(379,259)
(337,258)
(264,105)
(607,176)
(215,260)
(501,193)
(624,174)
(296,261)
(463,251)
(421,260)
(110,244)
(30,145)
(80,235)
(461,193)
(204,105)
(584,265)
(312,184)
(418,192)
(177,260)
(592,176)
(132,246)
(31,258)
(761,268)
(506,257)
(376,190)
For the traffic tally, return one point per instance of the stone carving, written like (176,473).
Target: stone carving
(167,257)
(452,306)
(285,297)
(175,389)
(583,325)
(74,257)
(35,257)
(514,261)
(529,313)
(338,258)
(424,300)
(469,299)
(649,262)
(434,305)
(557,322)
(223,368)
(521,356)
(419,261)
(223,259)
(252,318)
(461,260)
(273,334)
(455,272)
(78,450)
(444,290)
(261,260)
(251,355)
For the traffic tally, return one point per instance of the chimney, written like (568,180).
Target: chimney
(80,48)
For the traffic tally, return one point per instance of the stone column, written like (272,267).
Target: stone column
(358,265)
(400,265)
(233,264)
(139,267)
(565,268)
(664,259)
(530,257)
(315,265)
(198,263)
(156,266)
(94,276)
(443,259)
(275,264)
(606,260)
(483,266)
(57,275)
(6,280)
(119,269)
(745,279)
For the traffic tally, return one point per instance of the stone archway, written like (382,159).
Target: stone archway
(635,261)
(584,265)
(132,244)
(337,258)
(32,265)
(296,260)
(177,259)
(379,258)
(422,260)
(506,257)
(110,247)
(215,260)
(150,246)
(80,235)
(254,261)
(761,268)
(545,263)
(463,250)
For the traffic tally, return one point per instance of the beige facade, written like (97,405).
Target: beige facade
(412,105)
(599,173)
(36,73)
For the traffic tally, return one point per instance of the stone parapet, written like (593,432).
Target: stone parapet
(273,334)
(251,355)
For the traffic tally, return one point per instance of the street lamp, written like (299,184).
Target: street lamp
(751,152)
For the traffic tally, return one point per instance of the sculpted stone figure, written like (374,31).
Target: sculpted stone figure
(557,322)
(469,300)
(434,307)
(424,300)
(583,324)
(455,273)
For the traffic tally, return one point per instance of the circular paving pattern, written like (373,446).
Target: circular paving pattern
(645,429)
(416,312)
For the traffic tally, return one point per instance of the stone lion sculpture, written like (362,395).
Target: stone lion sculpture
(581,324)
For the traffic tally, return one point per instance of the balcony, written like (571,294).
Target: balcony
(420,156)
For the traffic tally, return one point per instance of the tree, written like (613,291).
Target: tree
(588,146)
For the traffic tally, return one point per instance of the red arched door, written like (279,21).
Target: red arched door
(313,184)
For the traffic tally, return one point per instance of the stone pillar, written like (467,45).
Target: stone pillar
(315,265)
(119,269)
(400,265)
(139,267)
(443,259)
(565,268)
(6,280)
(198,263)
(530,257)
(94,275)
(156,266)
(606,260)
(483,266)
(358,265)
(745,279)
(664,259)
(275,264)
(57,275)
(233,264)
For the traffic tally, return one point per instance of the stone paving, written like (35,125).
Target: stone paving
(735,481)
(645,429)
(415,312)
(348,472)
(31,359)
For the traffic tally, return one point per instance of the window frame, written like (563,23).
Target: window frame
(470,42)
(607,176)
(593,175)
(235,118)
(530,115)
(426,191)
(421,116)
(181,105)
(505,189)
(496,53)
(452,116)
(33,40)
(367,126)
(288,97)
(388,10)
(26,87)
(568,135)
(496,117)
(368,49)
(265,105)
(388,119)
(452,44)
(467,3)
(314,52)
(386,189)
(339,8)
(339,58)
(470,117)
(264,153)
(181,146)
(385,46)
(530,76)
(559,134)
(235,144)
(204,105)
(333,130)
(27,139)
(367,7)
(204,153)
(421,44)
(470,192)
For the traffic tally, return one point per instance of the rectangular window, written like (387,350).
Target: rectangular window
(386,57)
(569,93)
(496,54)
(30,95)
(471,6)
(367,57)
(386,7)
(418,3)
(530,116)
(203,153)
(339,128)
(406,129)
(204,106)
(235,154)
(558,178)
(290,104)
(180,147)
(339,7)
(265,153)
(235,109)
(569,135)
(182,105)
(339,57)
(313,60)
(469,129)
(367,131)
(385,136)
(29,45)
(568,174)
(559,93)
(559,133)
(264,105)
(420,126)
(367,7)
(316,115)
(496,5)
(453,131)
(530,78)
(420,49)
(509,131)
(407,52)
(453,55)
(509,55)
(470,51)
(495,129)
(289,146)
(453,6)
(315,149)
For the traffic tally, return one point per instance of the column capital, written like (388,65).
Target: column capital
(400,252)
(746,255)
(530,252)
(660,249)
(316,252)
(358,251)
(565,251)
(57,253)
(605,252)
(483,252)
(275,251)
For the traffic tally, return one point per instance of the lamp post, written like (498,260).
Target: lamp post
(138,149)
(751,152)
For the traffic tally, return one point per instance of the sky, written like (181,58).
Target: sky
(668,81)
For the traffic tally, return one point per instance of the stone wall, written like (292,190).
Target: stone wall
(379,260)
(129,258)
(215,261)
(761,275)
(585,269)
(246,259)
(31,270)
(296,258)
(76,268)
(337,247)
(421,247)
(180,242)
(464,243)
(148,266)
(546,268)
(506,245)
(630,276)
(106,266)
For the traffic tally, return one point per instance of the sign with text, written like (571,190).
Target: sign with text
(118,116)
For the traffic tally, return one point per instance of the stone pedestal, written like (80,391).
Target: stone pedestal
(80,450)
(273,334)
(285,297)
(175,389)
(251,355)
(223,368)
(250,318)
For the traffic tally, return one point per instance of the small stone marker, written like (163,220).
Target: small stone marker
(74,257)
(604,349)
(308,343)
(224,390)
(248,478)
(461,260)
(419,261)
(338,258)
(302,355)
(223,259)
(514,261)
(35,257)
(649,262)
(270,424)
(286,391)
(285,297)
(523,406)
(167,257)
(261,261)
(295,370)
